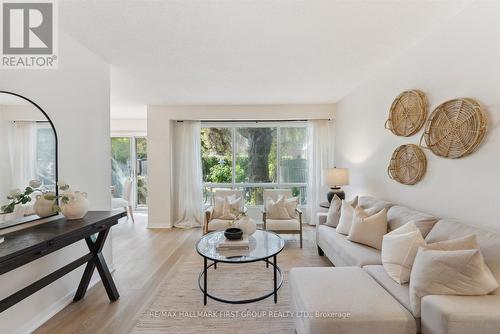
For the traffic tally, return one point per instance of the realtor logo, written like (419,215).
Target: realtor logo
(28,34)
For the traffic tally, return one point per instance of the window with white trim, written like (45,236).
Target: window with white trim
(254,156)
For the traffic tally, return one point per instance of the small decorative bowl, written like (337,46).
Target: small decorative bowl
(233,233)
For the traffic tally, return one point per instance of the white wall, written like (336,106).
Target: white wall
(129,127)
(21,113)
(76,98)
(459,60)
(160,129)
(5,168)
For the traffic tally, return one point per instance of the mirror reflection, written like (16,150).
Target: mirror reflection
(27,159)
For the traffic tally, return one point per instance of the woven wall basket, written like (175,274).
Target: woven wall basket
(407,114)
(455,128)
(408,164)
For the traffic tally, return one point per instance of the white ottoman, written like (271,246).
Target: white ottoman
(345,300)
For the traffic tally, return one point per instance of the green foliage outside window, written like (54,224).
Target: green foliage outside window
(256,158)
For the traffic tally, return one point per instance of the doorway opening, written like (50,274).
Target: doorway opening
(129,161)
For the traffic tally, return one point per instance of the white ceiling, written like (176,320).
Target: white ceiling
(246,52)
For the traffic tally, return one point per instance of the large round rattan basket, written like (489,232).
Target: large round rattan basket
(408,164)
(455,128)
(408,113)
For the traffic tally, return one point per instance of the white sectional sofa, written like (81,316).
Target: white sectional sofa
(349,290)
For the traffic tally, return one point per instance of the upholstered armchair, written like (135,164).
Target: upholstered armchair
(214,215)
(291,225)
(124,201)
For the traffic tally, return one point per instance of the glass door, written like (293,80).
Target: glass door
(129,162)
(141,171)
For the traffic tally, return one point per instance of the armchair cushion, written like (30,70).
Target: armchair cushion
(118,203)
(282,225)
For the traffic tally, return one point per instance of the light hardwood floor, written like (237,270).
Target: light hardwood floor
(143,258)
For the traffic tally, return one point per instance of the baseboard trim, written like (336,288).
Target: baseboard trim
(57,307)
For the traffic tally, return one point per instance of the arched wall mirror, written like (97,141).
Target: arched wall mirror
(28,159)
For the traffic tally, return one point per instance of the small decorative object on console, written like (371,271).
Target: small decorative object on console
(44,207)
(73,204)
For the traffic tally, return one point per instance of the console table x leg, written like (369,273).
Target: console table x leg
(95,246)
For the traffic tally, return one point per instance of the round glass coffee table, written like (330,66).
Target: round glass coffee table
(263,246)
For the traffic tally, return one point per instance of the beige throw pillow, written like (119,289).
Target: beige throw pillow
(399,248)
(457,272)
(218,207)
(346,214)
(232,207)
(333,216)
(368,230)
(354,202)
(467,242)
(278,209)
(291,204)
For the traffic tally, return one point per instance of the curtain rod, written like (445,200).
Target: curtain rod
(252,121)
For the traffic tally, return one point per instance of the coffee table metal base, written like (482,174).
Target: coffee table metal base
(277,280)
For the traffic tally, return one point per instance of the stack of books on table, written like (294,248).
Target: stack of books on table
(228,245)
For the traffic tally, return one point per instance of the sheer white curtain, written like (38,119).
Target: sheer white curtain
(320,151)
(22,150)
(187,175)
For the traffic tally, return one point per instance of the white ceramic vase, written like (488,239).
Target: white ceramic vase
(247,225)
(44,207)
(77,206)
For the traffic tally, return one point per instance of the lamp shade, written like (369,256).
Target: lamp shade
(336,176)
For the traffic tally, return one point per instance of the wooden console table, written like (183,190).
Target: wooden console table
(27,245)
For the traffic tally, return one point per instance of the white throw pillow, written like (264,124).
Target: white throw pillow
(457,272)
(278,209)
(291,204)
(399,248)
(467,242)
(333,216)
(368,230)
(346,214)
(345,221)
(354,202)
(232,207)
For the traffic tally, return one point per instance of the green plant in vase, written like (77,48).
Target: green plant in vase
(237,216)
(63,198)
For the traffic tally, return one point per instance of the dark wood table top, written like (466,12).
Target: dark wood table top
(49,233)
